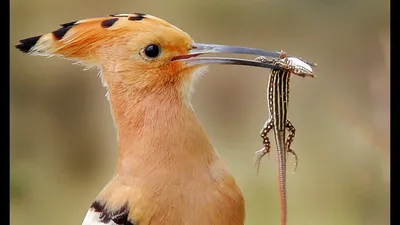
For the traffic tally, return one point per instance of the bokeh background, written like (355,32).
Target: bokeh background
(63,141)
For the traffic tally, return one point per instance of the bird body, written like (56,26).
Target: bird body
(167,171)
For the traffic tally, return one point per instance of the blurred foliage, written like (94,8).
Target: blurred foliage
(63,137)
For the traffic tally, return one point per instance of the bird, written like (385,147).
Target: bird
(167,171)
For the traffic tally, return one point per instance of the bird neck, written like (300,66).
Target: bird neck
(157,132)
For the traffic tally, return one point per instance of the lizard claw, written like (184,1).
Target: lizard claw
(295,157)
(258,156)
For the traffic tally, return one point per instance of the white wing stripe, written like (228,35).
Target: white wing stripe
(93,218)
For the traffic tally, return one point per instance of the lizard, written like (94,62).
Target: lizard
(278,101)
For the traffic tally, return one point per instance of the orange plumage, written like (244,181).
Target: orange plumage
(167,171)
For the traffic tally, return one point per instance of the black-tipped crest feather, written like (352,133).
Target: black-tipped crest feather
(68,24)
(109,22)
(58,34)
(26,44)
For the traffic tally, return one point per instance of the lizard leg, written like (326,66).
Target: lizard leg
(292,132)
(267,144)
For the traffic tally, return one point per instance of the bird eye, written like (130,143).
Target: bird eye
(152,51)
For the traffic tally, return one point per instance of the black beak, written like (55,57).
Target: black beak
(199,49)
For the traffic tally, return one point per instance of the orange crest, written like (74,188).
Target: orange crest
(117,44)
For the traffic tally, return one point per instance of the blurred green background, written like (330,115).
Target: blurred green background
(63,141)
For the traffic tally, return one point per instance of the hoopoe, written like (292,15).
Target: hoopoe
(167,171)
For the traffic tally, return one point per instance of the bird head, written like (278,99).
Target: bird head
(137,51)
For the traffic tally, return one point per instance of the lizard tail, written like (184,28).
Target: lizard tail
(282,175)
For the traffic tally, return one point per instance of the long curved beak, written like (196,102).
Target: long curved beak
(199,49)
